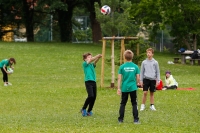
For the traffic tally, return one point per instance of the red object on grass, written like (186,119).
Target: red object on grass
(160,86)
(189,89)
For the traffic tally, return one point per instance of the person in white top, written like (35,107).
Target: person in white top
(170,82)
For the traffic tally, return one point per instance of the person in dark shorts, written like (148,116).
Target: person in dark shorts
(149,78)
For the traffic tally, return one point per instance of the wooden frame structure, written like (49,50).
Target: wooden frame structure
(112,56)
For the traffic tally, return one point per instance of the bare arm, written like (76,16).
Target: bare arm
(119,84)
(4,68)
(141,75)
(95,61)
(138,78)
(94,58)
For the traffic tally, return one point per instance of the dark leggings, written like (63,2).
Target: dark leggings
(171,87)
(5,75)
(92,93)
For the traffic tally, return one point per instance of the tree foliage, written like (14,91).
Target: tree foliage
(118,22)
(181,15)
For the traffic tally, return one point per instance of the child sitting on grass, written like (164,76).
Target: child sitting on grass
(170,82)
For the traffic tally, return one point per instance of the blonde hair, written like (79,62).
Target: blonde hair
(128,54)
(150,49)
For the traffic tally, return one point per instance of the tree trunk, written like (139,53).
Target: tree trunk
(96,28)
(185,41)
(28,17)
(65,24)
(194,41)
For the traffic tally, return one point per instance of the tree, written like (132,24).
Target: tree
(23,10)
(95,25)
(182,16)
(184,19)
(118,22)
(28,17)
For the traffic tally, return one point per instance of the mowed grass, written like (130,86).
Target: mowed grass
(48,92)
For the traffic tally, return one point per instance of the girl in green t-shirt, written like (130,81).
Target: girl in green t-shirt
(3,65)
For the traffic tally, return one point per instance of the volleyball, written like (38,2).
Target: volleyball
(105,10)
(10,70)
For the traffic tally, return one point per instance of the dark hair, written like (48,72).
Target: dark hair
(167,72)
(12,59)
(86,55)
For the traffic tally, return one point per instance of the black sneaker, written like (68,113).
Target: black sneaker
(136,122)
(120,121)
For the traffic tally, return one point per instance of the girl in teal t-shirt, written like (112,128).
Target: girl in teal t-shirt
(3,65)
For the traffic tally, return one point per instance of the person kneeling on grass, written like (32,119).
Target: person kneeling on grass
(3,65)
(170,81)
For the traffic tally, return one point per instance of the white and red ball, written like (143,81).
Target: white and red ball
(105,10)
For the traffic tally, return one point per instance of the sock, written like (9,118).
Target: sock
(151,104)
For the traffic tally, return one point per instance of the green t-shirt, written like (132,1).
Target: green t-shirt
(89,71)
(129,70)
(4,62)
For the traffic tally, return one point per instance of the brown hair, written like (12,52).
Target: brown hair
(86,55)
(150,49)
(12,59)
(128,54)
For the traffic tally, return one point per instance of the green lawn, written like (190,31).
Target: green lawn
(48,92)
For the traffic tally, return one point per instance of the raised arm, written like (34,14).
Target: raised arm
(95,61)
(94,58)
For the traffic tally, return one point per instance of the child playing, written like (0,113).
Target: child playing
(149,78)
(129,75)
(89,65)
(170,81)
(3,65)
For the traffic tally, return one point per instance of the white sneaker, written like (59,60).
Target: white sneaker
(9,83)
(164,89)
(152,107)
(5,84)
(142,107)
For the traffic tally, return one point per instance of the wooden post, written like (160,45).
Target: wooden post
(122,52)
(138,49)
(113,64)
(138,52)
(112,56)
(102,64)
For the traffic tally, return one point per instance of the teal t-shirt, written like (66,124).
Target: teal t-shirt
(4,62)
(129,70)
(89,71)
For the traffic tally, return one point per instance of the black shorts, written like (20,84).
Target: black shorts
(149,85)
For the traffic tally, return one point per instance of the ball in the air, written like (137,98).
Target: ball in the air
(105,10)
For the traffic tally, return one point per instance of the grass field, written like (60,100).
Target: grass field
(48,92)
